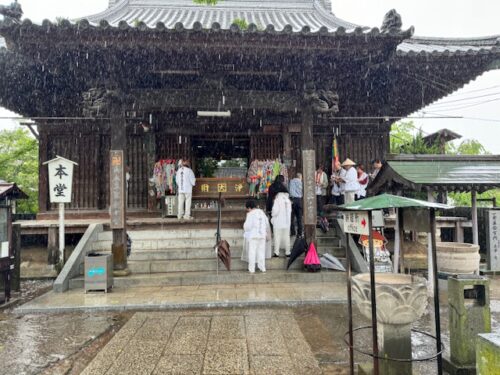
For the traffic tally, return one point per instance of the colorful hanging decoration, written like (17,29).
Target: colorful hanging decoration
(164,177)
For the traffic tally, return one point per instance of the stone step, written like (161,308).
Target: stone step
(224,277)
(196,265)
(173,234)
(180,243)
(206,253)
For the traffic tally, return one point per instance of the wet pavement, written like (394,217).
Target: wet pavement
(190,296)
(71,342)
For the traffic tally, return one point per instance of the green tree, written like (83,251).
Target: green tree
(402,140)
(206,2)
(19,164)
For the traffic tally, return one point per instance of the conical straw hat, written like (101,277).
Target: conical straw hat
(348,162)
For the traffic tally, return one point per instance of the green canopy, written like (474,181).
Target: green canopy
(389,201)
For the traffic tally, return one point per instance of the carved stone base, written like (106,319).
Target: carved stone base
(455,369)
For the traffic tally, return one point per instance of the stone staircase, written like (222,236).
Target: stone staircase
(185,256)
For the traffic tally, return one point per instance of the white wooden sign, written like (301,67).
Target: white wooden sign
(356,222)
(493,257)
(60,179)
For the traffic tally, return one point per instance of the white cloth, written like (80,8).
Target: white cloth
(185,180)
(256,227)
(184,199)
(281,237)
(281,212)
(362,187)
(256,224)
(339,188)
(349,197)
(351,180)
(256,254)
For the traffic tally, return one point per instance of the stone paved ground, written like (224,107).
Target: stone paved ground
(191,296)
(256,342)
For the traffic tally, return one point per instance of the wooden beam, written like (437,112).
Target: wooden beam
(186,99)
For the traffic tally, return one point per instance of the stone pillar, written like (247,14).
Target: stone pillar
(488,354)
(395,342)
(118,189)
(469,315)
(308,175)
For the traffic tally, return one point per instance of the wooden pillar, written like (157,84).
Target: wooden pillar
(52,245)
(118,188)
(43,181)
(287,152)
(308,172)
(150,142)
(16,255)
(475,230)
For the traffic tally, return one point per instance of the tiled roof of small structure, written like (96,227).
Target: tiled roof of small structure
(420,45)
(314,14)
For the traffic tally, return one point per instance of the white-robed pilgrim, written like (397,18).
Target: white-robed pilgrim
(257,239)
(281,217)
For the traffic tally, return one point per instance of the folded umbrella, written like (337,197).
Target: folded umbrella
(312,262)
(299,247)
(224,253)
(331,262)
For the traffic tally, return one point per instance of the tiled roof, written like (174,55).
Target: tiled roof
(417,45)
(279,13)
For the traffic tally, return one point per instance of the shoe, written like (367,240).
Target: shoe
(189,218)
(288,255)
(251,272)
(263,271)
(275,255)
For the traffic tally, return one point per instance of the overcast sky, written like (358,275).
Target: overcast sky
(444,18)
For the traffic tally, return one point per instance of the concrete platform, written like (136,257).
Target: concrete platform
(171,297)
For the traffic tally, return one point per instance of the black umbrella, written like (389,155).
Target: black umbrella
(299,248)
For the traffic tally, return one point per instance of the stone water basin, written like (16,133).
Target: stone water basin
(401,299)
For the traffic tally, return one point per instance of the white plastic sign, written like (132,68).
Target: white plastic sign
(356,222)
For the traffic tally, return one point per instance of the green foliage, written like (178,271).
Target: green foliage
(402,140)
(206,2)
(206,167)
(467,147)
(19,164)
(464,199)
(242,24)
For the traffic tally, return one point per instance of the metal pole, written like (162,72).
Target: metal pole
(373,297)
(349,306)
(437,318)
(61,233)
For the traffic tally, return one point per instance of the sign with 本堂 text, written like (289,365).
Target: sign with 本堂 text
(493,255)
(356,222)
(60,179)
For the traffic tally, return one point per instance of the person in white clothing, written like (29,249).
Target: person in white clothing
(337,182)
(351,181)
(185,181)
(363,180)
(281,218)
(256,232)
